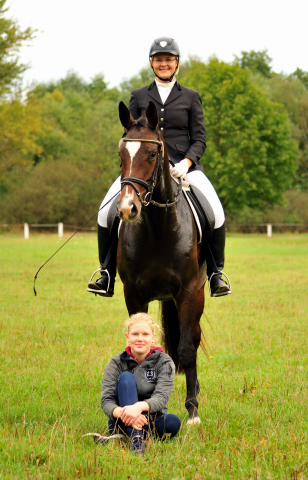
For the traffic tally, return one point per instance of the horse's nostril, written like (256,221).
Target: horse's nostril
(134,211)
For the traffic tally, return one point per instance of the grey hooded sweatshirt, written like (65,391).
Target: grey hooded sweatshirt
(154,378)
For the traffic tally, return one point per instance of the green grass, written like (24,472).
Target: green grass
(53,349)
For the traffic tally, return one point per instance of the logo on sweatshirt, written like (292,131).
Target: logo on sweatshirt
(150,375)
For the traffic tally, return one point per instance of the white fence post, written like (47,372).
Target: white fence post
(26,231)
(269,230)
(60,229)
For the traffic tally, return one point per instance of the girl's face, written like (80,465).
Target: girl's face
(140,338)
(164,64)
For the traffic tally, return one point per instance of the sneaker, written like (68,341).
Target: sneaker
(218,287)
(103,286)
(98,438)
(137,447)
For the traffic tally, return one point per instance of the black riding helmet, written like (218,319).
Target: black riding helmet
(164,45)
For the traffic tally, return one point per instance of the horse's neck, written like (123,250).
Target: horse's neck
(165,187)
(160,219)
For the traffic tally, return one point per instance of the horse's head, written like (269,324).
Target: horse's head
(139,152)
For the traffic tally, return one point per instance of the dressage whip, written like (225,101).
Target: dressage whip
(70,239)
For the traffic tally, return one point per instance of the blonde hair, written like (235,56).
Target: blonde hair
(141,317)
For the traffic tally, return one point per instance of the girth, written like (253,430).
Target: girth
(205,214)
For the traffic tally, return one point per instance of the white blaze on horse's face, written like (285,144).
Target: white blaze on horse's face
(132,148)
(126,205)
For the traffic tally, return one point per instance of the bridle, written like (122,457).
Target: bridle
(149,186)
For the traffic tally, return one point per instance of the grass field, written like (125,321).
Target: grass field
(53,348)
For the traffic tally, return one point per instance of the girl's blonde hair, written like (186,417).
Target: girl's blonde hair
(141,317)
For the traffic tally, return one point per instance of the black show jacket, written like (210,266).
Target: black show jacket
(181,120)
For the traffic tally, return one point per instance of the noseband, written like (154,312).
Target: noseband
(149,186)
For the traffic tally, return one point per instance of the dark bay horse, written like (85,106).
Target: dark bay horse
(158,257)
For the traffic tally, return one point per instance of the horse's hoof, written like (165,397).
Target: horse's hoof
(194,421)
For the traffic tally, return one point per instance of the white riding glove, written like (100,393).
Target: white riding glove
(180,169)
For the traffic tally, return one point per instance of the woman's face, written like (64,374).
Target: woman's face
(140,338)
(164,64)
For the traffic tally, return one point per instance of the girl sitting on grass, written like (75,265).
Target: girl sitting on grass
(137,384)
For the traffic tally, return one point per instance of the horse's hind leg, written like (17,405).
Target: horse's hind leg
(190,308)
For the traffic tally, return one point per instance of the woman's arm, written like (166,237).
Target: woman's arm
(196,130)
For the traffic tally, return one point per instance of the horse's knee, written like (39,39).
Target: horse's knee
(187,355)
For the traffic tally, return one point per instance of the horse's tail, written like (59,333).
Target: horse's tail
(171,331)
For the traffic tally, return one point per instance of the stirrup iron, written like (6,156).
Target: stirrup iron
(99,270)
(228,283)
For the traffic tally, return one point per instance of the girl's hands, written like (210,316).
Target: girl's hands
(140,422)
(131,415)
(117,412)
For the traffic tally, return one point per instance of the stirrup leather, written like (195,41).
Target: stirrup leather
(228,284)
(99,270)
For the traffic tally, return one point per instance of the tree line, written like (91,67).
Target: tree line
(58,146)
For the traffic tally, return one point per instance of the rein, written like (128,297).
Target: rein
(150,186)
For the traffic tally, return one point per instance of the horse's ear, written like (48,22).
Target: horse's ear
(125,116)
(152,117)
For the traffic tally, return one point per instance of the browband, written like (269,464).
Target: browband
(142,140)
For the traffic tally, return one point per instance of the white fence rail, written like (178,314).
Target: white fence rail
(230,227)
(269,226)
(43,225)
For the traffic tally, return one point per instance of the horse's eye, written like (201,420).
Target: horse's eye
(152,154)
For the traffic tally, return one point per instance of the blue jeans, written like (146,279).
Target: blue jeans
(159,424)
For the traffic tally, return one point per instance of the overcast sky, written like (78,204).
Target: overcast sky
(113,37)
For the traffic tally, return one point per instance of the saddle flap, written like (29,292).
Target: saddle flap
(204,211)
(112,218)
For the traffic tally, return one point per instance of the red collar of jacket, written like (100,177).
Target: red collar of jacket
(129,351)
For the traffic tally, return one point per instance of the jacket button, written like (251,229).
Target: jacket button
(162,110)
(162,128)
(162,119)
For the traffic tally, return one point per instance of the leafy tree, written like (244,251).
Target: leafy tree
(256,62)
(72,82)
(11,39)
(293,95)
(55,192)
(97,88)
(20,124)
(301,75)
(76,159)
(251,158)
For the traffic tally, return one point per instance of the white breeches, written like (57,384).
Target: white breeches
(196,178)
(199,180)
(103,213)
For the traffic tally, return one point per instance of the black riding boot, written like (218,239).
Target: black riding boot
(215,263)
(107,252)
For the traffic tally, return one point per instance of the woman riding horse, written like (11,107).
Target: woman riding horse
(181,122)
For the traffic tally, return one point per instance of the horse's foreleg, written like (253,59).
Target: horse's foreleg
(189,309)
(133,300)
